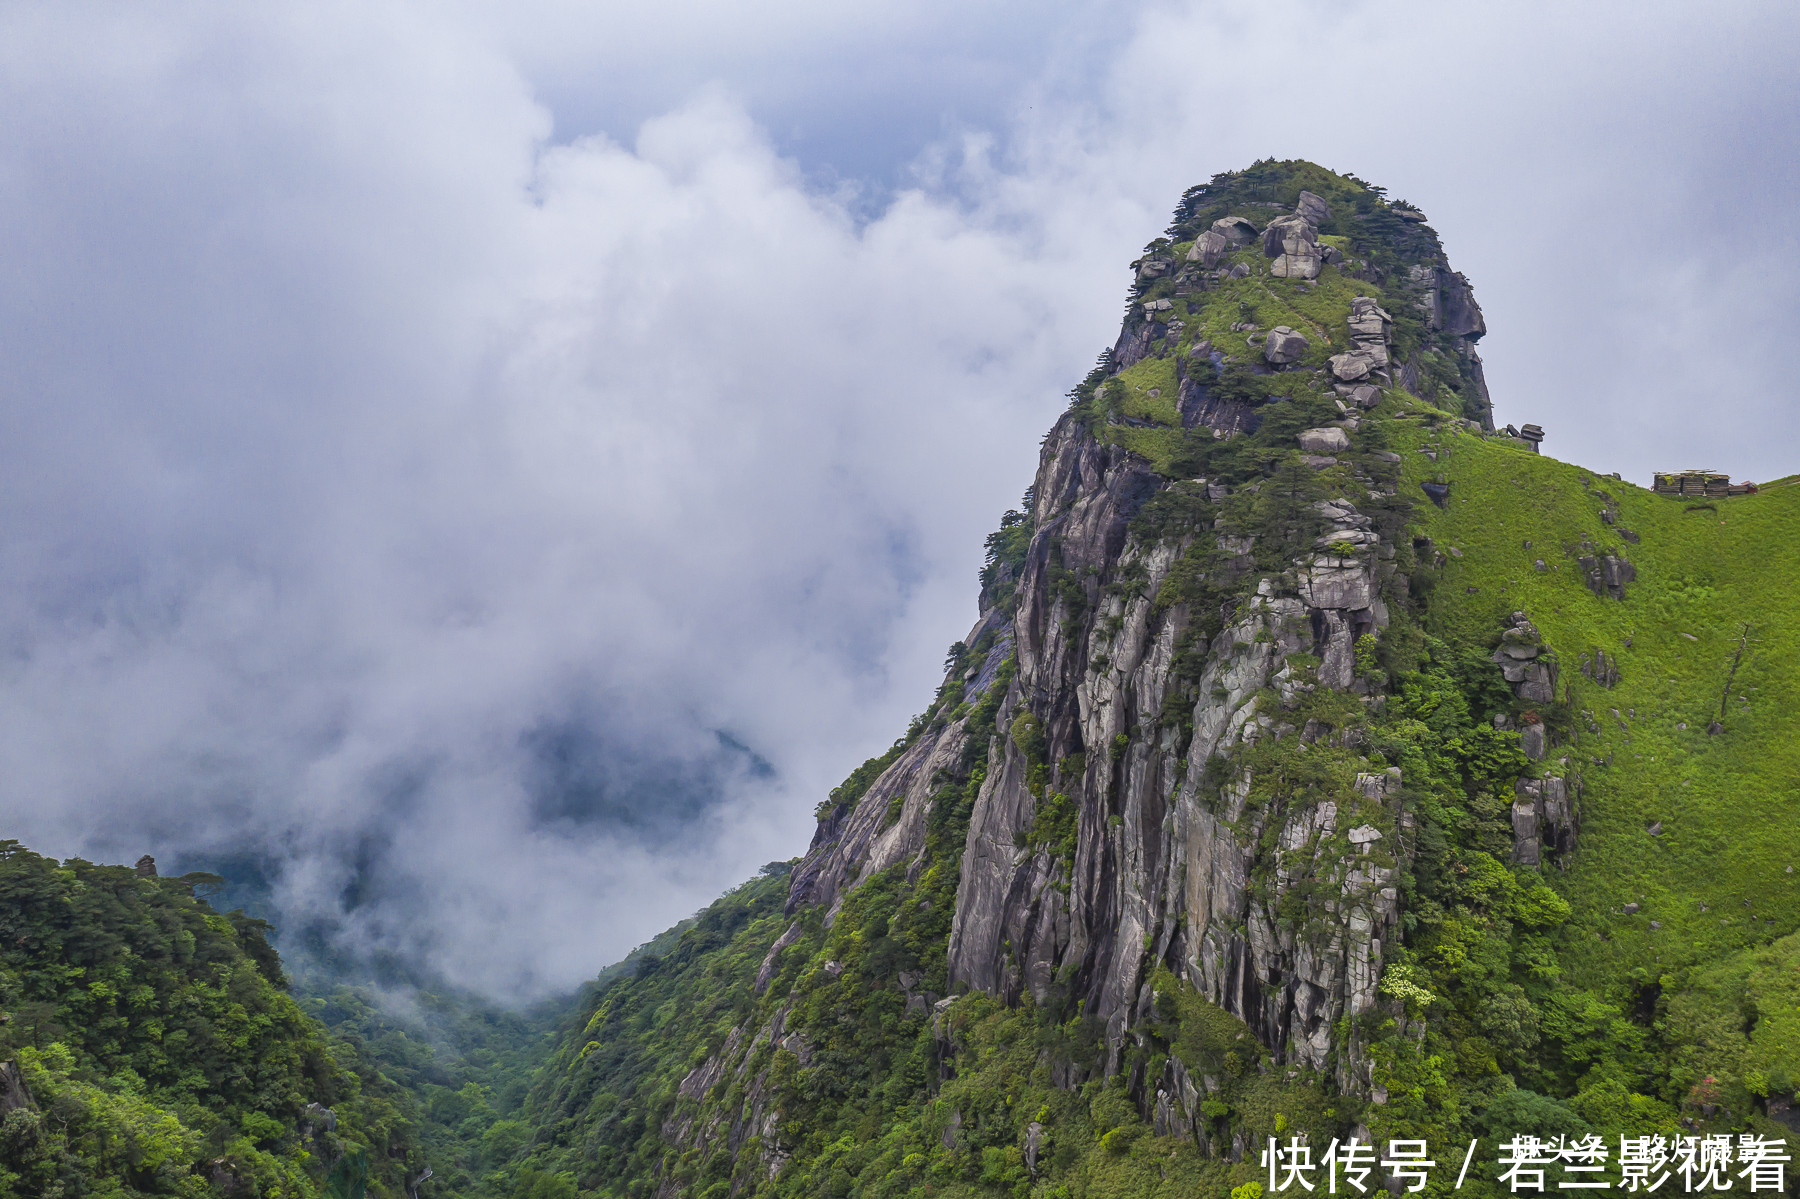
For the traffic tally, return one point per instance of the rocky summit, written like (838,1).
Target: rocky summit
(1323,764)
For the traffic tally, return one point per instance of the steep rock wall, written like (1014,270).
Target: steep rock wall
(1277,903)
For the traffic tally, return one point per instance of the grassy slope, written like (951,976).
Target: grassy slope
(1723,877)
(1717,878)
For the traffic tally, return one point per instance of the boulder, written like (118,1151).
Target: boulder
(14,1094)
(1607,574)
(1210,249)
(1449,301)
(1235,229)
(1368,319)
(1283,346)
(1153,268)
(1239,271)
(1329,440)
(1539,685)
(1293,243)
(1334,582)
(1367,395)
(1438,492)
(1134,344)
(1531,741)
(1351,366)
(1313,208)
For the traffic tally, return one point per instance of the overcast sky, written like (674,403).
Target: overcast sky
(500,465)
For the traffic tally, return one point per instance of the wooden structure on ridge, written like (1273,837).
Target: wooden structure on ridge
(1704,484)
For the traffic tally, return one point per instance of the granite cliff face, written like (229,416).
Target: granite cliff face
(1167,866)
(1155,657)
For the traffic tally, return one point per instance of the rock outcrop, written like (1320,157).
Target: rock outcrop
(1235,229)
(1545,817)
(1329,440)
(1210,249)
(1292,242)
(1171,862)
(1606,574)
(1368,352)
(14,1094)
(1284,346)
(1526,662)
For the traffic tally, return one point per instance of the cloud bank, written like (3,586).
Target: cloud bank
(499,471)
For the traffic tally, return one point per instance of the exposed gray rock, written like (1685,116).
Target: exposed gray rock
(773,957)
(14,1094)
(1607,574)
(1165,849)
(1134,343)
(1602,667)
(1539,684)
(1293,245)
(1531,741)
(1199,408)
(1283,346)
(1368,320)
(1457,313)
(1313,208)
(1545,820)
(1210,249)
(1235,229)
(146,867)
(853,845)
(1153,268)
(1367,395)
(1328,440)
(1352,365)
(1526,662)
